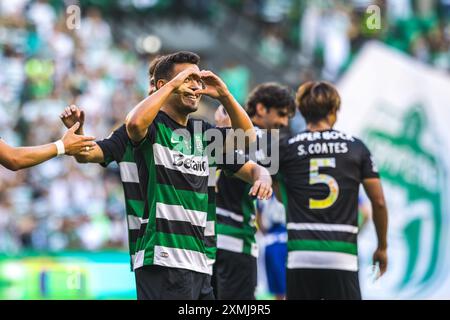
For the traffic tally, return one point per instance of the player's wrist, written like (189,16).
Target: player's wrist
(174,84)
(224,96)
(60,148)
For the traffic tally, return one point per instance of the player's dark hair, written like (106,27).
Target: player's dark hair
(165,65)
(270,95)
(152,66)
(316,99)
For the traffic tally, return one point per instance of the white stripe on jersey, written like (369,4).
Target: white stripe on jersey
(322,227)
(129,172)
(182,258)
(230,214)
(322,260)
(179,213)
(174,160)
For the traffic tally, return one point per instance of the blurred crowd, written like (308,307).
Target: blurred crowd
(45,66)
(326,34)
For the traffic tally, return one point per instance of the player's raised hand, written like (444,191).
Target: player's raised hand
(71,115)
(214,86)
(184,77)
(74,143)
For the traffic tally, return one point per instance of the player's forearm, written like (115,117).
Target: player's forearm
(239,118)
(25,157)
(142,116)
(95,155)
(380,219)
(82,158)
(252,172)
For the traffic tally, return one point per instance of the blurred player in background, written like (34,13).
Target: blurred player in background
(117,148)
(321,170)
(271,219)
(16,158)
(171,253)
(235,272)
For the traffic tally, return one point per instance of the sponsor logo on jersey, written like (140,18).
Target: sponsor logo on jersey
(189,162)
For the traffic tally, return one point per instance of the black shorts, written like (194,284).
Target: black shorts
(234,276)
(319,284)
(164,283)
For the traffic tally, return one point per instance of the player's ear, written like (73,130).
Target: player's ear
(260,109)
(160,83)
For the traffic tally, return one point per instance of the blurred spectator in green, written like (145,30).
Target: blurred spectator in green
(237,78)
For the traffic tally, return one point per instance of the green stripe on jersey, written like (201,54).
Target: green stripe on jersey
(135,208)
(179,241)
(321,245)
(188,199)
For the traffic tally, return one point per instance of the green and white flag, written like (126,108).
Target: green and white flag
(401,110)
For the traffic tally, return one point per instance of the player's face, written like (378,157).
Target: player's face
(186,98)
(276,118)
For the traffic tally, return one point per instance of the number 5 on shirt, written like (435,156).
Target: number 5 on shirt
(315,177)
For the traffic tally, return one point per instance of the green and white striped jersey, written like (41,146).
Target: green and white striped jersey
(177,228)
(235,216)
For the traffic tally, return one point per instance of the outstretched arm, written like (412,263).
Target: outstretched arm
(16,158)
(217,89)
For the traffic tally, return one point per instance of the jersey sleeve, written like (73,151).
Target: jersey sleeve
(283,151)
(114,146)
(239,160)
(368,166)
(149,138)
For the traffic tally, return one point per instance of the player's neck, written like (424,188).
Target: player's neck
(181,119)
(319,126)
(258,122)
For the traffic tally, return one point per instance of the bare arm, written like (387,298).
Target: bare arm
(259,177)
(217,89)
(16,158)
(374,191)
(23,157)
(142,115)
(94,155)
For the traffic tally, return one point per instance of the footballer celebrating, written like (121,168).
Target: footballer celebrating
(116,148)
(171,252)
